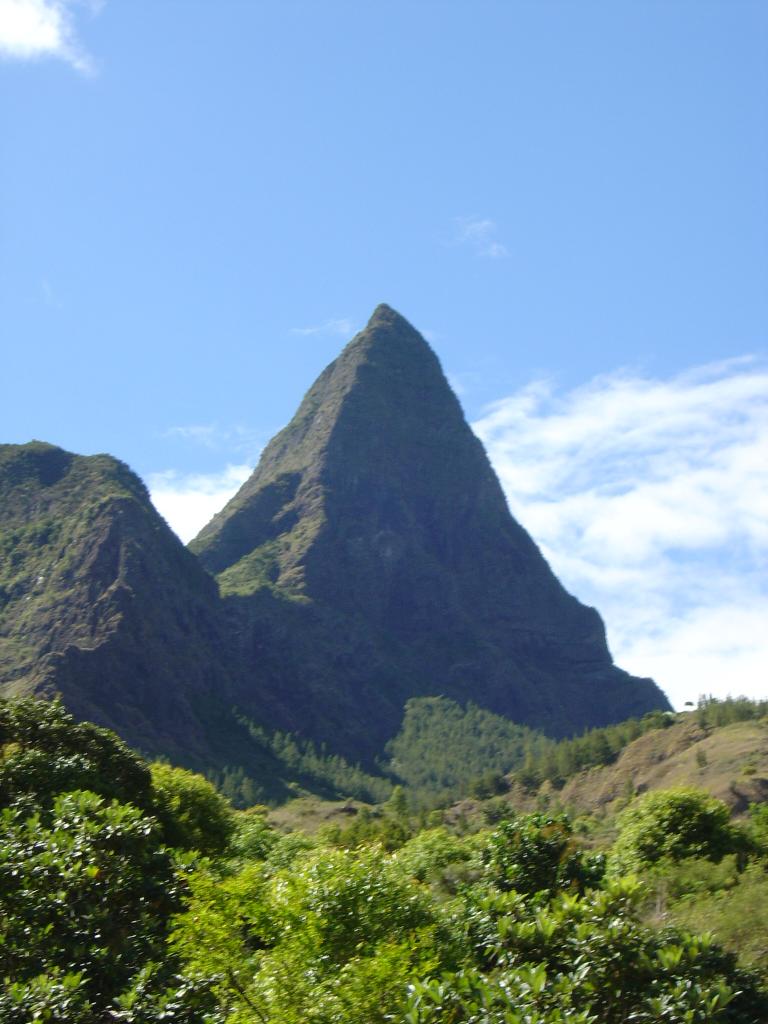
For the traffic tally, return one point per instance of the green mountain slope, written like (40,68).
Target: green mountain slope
(720,748)
(371,558)
(101,602)
(730,762)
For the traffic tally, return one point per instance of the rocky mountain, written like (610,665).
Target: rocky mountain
(371,557)
(100,602)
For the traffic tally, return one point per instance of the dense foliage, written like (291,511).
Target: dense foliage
(86,888)
(88,883)
(103,917)
(43,752)
(192,813)
(674,824)
(442,752)
(443,749)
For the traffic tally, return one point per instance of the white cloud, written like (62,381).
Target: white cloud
(650,500)
(33,29)
(189,501)
(480,235)
(342,328)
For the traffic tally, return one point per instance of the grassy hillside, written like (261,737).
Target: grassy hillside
(730,762)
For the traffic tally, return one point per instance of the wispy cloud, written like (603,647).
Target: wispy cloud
(650,499)
(206,434)
(342,327)
(479,234)
(34,29)
(189,501)
(213,436)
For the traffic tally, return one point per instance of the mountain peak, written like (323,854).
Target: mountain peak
(373,405)
(383,311)
(389,337)
(384,315)
(377,510)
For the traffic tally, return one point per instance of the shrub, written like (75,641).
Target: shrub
(44,752)
(88,893)
(192,813)
(536,853)
(674,824)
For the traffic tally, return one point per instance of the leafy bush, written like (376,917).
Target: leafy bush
(192,813)
(336,937)
(428,856)
(674,824)
(759,826)
(535,853)
(44,752)
(583,959)
(253,838)
(88,893)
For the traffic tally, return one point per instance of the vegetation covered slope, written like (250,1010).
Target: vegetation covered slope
(133,893)
(720,748)
(728,760)
(101,602)
(371,558)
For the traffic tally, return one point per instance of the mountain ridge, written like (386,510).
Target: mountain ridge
(370,558)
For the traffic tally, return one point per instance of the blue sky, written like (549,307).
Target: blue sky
(201,202)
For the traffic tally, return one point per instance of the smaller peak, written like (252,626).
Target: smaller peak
(35,460)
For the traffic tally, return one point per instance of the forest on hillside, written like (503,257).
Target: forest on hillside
(134,892)
(445,751)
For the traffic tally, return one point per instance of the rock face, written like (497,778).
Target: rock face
(100,602)
(371,557)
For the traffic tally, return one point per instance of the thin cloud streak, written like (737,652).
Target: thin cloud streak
(479,234)
(35,29)
(212,436)
(342,328)
(650,500)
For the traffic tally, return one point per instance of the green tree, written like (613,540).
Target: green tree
(192,813)
(253,837)
(673,823)
(44,752)
(431,854)
(535,853)
(87,885)
(337,937)
(88,890)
